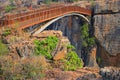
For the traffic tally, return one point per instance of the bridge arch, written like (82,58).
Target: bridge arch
(55,19)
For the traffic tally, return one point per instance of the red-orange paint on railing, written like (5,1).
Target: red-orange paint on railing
(33,17)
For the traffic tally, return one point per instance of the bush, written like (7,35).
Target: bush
(8,8)
(70,46)
(72,60)
(21,70)
(46,46)
(87,41)
(47,2)
(6,32)
(3,48)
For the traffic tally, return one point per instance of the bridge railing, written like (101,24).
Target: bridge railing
(31,18)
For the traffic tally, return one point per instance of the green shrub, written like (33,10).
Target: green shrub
(73,0)
(92,2)
(8,8)
(6,32)
(87,41)
(3,48)
(47,2)
(91,41)
(46,46)
(69,46)
(72,60)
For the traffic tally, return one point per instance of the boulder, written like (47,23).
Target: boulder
(110,73)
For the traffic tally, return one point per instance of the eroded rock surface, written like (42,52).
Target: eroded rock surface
(110,73)
(105,6)
(92,58)
(107,31)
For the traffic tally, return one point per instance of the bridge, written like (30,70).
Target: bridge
(33,17)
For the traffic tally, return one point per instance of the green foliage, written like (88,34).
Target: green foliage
(92,2)
(11,2)
(69,46)
(87,40)
(72,60)
(84,43)
(73,0)
(8,8)
(3,48)
(91,41)
(46,46)
(47,2)
(99,60)
(6,32)
(85,31)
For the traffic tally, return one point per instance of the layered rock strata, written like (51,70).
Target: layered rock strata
(107,30)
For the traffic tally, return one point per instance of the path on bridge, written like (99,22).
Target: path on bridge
(31,18)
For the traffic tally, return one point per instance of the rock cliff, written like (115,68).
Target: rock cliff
(71,27)
(107,30)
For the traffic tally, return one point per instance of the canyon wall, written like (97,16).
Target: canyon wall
(107,31)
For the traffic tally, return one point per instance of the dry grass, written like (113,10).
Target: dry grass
(28,68)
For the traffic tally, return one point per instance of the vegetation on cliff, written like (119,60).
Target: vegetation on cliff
(87,40)
(10,7)
(46,46)
(71,61)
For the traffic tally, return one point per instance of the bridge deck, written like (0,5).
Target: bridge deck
(33,17)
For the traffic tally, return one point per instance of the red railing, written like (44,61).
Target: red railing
(24,20)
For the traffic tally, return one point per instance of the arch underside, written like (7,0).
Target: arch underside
(55,19)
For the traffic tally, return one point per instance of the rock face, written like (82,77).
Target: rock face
(23,48)
(61,49)
(107,29)
(89,77)
(92,58)
(71,28)
(104,6)
(110,73)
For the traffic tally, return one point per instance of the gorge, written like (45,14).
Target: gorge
(97,43)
